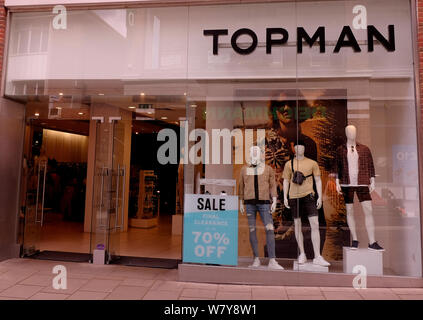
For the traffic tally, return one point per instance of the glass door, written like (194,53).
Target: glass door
(34,179)
(34,207)
(117,191)
(107,218)
(101,203)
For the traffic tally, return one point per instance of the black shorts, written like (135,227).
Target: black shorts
(363,194)
(302,206)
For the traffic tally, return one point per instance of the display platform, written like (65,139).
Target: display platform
(309,267)
(242,274)
(371,260)
(143,223)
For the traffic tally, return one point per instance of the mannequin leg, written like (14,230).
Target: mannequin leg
(299,235)
(315,234)
(251,216)
(370,223)
(267,219)
(351,220)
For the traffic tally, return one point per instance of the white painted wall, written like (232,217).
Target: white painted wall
(168,43)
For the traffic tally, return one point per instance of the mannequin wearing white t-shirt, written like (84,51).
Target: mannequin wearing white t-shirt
(351,133)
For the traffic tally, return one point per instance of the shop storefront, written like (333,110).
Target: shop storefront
(331,81)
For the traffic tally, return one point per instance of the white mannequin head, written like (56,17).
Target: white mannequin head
(255,155)
(351,132)
(299,149)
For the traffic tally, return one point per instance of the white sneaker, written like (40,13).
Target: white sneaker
(321,262)
(302,258)
(256,263)
(274,265)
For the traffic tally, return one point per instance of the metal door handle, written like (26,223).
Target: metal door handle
(37,194)
(117,197)
(44,192)
(101,196)
(123,197)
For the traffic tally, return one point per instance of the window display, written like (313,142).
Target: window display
(256,187)
(323,103)
(356,174)
(298,184)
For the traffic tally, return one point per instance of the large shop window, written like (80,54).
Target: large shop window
(299,139)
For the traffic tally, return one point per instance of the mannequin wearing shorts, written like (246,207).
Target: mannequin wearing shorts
(302,200)
(356,174)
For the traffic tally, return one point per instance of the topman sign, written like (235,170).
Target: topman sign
(279,37)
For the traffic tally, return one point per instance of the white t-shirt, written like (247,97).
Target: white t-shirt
(352,156)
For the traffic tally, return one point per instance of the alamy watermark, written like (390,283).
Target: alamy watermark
(211,147)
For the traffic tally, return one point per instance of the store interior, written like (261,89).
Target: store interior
(60,133)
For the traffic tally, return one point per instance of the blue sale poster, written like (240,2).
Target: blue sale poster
(210,229)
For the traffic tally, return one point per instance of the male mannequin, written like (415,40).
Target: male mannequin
(302,200)
(356,174)
(256,186)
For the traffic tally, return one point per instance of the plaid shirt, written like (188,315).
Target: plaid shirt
(366,169)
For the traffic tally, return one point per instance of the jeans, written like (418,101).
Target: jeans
(266,217)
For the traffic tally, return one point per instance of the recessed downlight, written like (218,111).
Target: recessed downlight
(132,107)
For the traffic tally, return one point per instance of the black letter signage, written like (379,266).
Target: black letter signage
(216,34)
(372,33)
(319,34)
(240,32)
(270,42)
(351,42)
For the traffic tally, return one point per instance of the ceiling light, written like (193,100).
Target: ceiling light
(59,108)
(142,93)
(60,93)
(193,106)
(149,112)
(164,118)
(80,113)
(36,114)
(101,94)
(185,93)
(132,107)
(136,132)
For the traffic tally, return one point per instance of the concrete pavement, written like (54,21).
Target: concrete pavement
(33,279)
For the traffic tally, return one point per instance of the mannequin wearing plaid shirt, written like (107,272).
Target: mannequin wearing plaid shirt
(356,174)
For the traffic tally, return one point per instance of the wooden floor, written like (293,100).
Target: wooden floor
(158,242)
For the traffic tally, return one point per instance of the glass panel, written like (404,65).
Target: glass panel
(101,188)
(372,93)
(117,191)
(299,93)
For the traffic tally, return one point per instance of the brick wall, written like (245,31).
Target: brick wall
(420,47)
(2,33)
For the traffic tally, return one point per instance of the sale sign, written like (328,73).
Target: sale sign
(210,229)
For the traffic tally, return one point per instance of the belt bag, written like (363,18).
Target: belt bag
(298,176)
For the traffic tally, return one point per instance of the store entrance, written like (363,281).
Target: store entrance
(54,184)
(153,195)
(135,198)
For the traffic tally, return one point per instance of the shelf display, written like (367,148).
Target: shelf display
(148,201)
